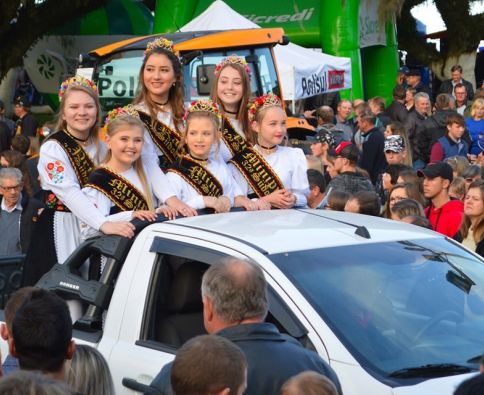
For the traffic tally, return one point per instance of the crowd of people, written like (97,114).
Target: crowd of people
(417,160)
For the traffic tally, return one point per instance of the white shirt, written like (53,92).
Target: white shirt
(18,205)
(290,165)
(189,195)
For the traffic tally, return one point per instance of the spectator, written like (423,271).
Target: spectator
(414,125)
(32,383)
(457,189)
(414,79)
(445,215)
(325,119)
(372,157)
(207,365)
(321,143)
(409,99)
(395,150)
(16,300)
(235,305)
(308,383)
(460,94)
(472,229)
(343,159)
(360,109)
(471,174)
(397,129)
(88,373)
(475,125)
(402,76)
(459,165)
(471,386)
(401,192)
(42,334)
(21,144)
(405,208)
(317,186)
(377,107)
(26,123)
(411,177)
(337,201)
(342,122)
(448,85)
(417,220)
(452,143)
(10,124)
(397,111)
(18,213)
(364,202)
(390,177)
(15,159)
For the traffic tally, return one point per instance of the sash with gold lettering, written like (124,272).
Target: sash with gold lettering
(234,141)
(80,160)
(117,189)
(165,138)
(257,172)
(200,178)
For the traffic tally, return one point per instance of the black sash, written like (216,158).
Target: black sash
(165,138)
(234,141)
(258,173)
(117,189)
(80,160)
(204,182)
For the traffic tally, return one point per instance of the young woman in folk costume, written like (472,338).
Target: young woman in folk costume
(160,102)
(272,173)
(231,91)
(66,159)
(200,181)
(121,188)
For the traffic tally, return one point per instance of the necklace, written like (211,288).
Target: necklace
(268,150)
(161,105)
(230,112)
(83,141)
(201,162)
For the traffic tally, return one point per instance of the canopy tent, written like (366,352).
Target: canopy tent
(303,72)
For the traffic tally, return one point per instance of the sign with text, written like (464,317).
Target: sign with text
(372,32)
(320,79)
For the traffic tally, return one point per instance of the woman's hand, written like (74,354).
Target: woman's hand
(245,202)
(168,212)
(282,198)
(123,228)
(180,207)
(262,204)
(144,215)
(222,205)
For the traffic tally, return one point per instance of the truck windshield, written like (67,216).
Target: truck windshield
(408,309)
(117,75)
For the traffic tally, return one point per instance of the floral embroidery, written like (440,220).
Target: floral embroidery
(55,171)
(51,201)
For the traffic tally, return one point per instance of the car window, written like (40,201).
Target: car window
(396,305)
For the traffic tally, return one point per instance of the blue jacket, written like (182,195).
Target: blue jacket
(272,359)
(453,149)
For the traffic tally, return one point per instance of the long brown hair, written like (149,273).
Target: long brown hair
(241,115)
(61,124)
(113,127)
(478,230)
(412,192)
(175,94)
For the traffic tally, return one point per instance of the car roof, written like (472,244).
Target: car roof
(277,231)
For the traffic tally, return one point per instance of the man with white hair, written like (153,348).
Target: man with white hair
(18,213)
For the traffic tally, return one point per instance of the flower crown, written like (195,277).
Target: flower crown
(202,106)
(162,43)
(77,80)
(232,59)
(128,110)
(261,102)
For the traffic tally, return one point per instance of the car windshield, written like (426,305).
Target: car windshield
(398,307)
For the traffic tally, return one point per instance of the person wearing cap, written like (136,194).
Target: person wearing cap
(448,85)
(444,214)
(402,76)
(26,123)
(320,144)
(414,79)
(10,124)
(452,143)
(372,158)
(343,159)
(325,119)
(397,111)
(395,150)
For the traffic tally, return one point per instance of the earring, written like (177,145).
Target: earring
(174,83)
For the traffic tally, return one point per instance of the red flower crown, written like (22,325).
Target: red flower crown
(261,102)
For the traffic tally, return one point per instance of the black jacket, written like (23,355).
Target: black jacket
(447,87)
(27,125)
(272,359)
(396,111)
(28,218)
(372,157)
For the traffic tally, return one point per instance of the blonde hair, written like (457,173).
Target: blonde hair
(61,124)
(241,115)
(113,127)
(479,102)
(182,147)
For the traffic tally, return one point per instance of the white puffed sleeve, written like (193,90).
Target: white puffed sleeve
(58,175)
(185,192)
(299,180)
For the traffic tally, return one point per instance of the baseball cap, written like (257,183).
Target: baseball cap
(323,136)
(22,101)
(394,143)
(414,72)
(439,169)
(345,150)
(404,70)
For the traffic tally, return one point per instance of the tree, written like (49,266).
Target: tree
(464,32)
(23,22)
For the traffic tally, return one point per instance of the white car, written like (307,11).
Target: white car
(394,308)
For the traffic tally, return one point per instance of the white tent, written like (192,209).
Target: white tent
(303,72)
